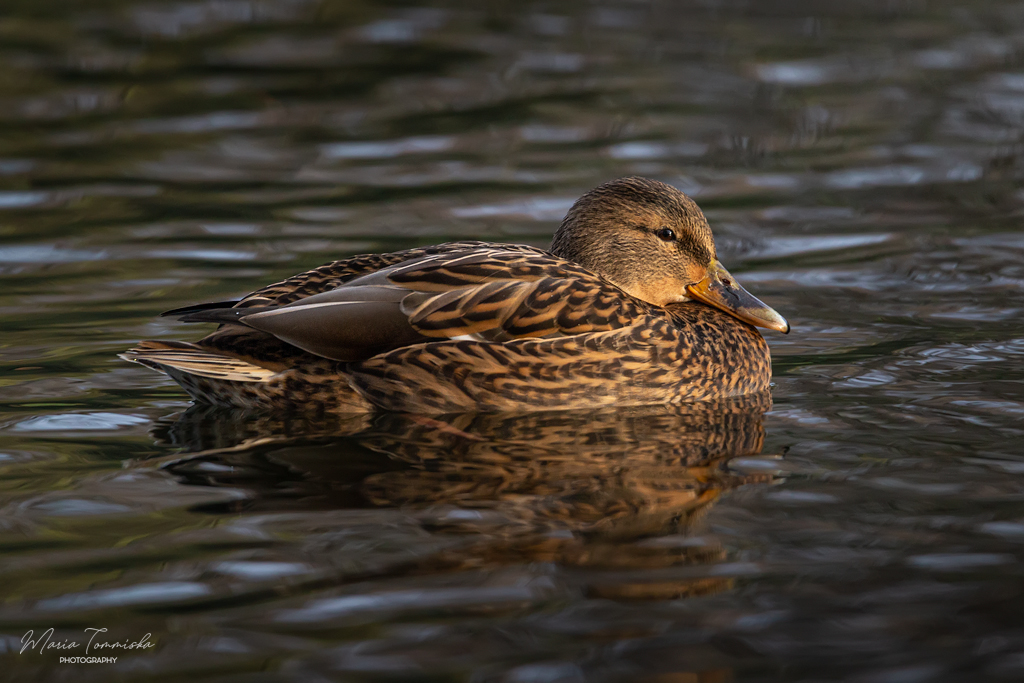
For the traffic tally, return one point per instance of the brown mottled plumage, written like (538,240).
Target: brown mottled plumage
(616,314)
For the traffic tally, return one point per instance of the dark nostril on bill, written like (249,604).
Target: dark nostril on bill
(727,282)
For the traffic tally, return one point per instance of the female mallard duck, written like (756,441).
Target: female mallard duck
(630,306)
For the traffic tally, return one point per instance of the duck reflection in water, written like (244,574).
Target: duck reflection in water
(620,491)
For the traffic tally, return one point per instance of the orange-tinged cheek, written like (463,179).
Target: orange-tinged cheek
(660,292)
(695,273)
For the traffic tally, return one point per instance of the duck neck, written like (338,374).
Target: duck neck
(607,256)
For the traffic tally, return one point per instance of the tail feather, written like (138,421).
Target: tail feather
(194,360)
(199,307)
(222,380)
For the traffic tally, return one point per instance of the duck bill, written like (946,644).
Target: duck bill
(720,289)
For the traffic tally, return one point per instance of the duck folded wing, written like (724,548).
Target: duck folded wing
(330,275)
(482,294)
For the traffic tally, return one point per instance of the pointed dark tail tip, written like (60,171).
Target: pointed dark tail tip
(184,310)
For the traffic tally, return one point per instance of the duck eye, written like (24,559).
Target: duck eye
(667,234)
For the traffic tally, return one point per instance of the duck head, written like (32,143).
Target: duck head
(653,241)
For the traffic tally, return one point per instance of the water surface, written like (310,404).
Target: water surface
(860,164)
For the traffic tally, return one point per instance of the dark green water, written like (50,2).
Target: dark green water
(860,164)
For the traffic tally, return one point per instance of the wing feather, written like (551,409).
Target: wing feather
(456,291)
(330,275)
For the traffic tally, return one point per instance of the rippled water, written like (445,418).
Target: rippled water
(860,163)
